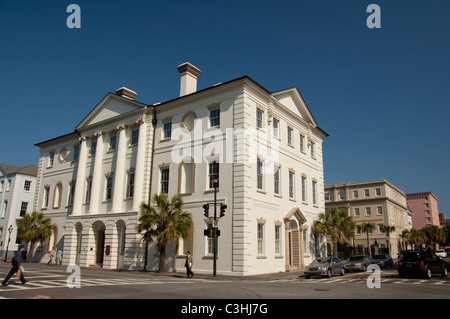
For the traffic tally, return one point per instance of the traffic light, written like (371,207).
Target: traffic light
(222,209)
(206,210)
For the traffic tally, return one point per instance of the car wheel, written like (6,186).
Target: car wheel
(444,271)
(364,268)
(342,272)
(427,273)
(329,274)
(307,277)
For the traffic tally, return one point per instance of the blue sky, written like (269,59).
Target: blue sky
(381,94)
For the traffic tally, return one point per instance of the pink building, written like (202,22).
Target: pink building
(425,207)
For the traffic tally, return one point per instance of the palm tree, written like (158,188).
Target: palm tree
(417,237)
(368,228)
(405,236)
(165,222)
(388,229)
(434,235)
(33,228)
(337,224)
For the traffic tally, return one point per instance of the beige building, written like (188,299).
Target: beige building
(377,202)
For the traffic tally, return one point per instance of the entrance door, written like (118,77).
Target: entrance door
(100,247)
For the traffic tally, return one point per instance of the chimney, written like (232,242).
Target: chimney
(126,93)
(189,74)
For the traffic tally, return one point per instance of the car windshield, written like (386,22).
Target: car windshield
(321,261)
(356,258)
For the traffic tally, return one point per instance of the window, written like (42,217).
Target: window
(164,180)
(27,186)
(5,207)
(214,117)
(302,142)
(259,174)
(289,134)
(186,175)
(427,212)
(46,195)
(213,174)
(291,184)
(380,229)
(51,159)
(276,128)
(259,118)
(93,148)
(57,195)
(379,210)
(276,180)
(368,212)
(358,230)
(167,130)
(113,142)
(130,185)
(87,198)
(260,239)
(314,190)
(378,191)
(305,242)
(134,137)
(23,208)
(341,195)
(109,187)
(366,193)
(328,197)
(313,150)
(8,185)
(355,194)
(76,152)
(209,243)
(277,240)
(304,189)
(71,194)
(1,186)
(356,212)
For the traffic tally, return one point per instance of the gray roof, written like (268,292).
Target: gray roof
(25,170)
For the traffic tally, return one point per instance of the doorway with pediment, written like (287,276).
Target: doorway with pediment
(294,222)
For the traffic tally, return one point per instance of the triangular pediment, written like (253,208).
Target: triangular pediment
(293,101)
(109,107)
(297,213)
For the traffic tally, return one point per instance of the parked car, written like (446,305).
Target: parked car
(422,263)
(359,263)
(325,266)
(383,260)
(441,253)
(447,250)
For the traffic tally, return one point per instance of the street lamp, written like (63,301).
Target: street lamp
(10,229)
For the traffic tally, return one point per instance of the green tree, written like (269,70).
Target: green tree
(337,224)
(405,237)
(164,222)
(368,228)
(33,228)
(417,237)
(434,235)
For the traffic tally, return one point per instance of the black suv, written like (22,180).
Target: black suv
(424,263)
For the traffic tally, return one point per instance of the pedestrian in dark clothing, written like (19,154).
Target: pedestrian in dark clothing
(188,264)
(16,261)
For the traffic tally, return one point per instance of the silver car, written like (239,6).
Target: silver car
(359,263)
(325,266)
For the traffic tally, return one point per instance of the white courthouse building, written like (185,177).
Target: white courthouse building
(264,148)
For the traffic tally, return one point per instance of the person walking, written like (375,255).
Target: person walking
(16,261)
(188,264)
(52,256)
(59,256)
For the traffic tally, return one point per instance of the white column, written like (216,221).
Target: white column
(81,178)
(119,173)
(97,175)
(140,165)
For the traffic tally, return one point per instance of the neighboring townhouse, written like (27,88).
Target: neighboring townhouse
(426,210)
(17,188)
(264,149)
(377,202)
